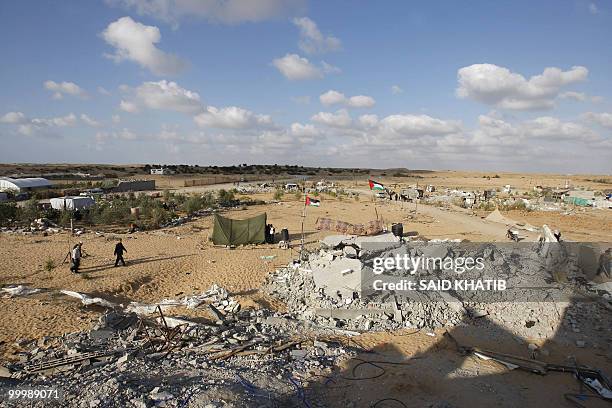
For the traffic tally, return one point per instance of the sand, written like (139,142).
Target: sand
(180,261)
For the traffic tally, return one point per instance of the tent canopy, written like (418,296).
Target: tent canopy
(227,231)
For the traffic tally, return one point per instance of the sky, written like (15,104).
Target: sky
(493,86)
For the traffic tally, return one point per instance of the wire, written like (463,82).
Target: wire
(374,405)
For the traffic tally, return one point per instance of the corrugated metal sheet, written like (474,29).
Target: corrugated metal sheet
(7,183)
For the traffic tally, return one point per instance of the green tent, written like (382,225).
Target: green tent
(227,231)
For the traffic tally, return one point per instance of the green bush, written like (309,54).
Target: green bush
(49,265)
(30,211)
(8,213)
(159,216)
(278,194)
(193,204)
(225,197)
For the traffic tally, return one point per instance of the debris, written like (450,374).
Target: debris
(20,290)
(87,300)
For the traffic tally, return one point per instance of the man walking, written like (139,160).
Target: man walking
(119,250)
(75,257)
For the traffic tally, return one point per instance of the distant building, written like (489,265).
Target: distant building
(24,184)
(162,171)
(124,186)
(72,203)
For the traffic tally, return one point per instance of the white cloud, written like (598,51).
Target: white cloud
(414,125)
(296,68)
(312,41)
(128,106)
(103,91)
(89,121)
(368,121)
(332,97)
(500,87)
(116,118)
(361,101)
(494,131)
(164,95)
(60,89)
(396,89)
(124,134)
(61,121)
(161,95)
(135,42)
(593,9)
(340,119)
(329,69)
(14,118)
(603,119)
(555,130)
(580,97)
(232,117)
(300,130)
(30,126)
(227,11)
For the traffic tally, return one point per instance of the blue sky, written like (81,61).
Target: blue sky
(504,85)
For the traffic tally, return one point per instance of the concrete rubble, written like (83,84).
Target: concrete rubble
(326,290)
(137,356)
(249,358)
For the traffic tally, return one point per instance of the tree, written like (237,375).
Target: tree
(30,211)
(8,212)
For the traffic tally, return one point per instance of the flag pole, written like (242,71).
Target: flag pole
(303,217)
(416,200)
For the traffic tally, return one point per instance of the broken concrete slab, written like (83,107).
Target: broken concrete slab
(350,252)
(341,276)
(333,241)
(381,240)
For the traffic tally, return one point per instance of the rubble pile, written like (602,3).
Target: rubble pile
(248,358)
(39,225)
(327,289)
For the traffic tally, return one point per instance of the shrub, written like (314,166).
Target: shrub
(193,204)
(49,265)
(225,197)
(30,211)
(278,194)
(65,217)
(8,213)
(159,216)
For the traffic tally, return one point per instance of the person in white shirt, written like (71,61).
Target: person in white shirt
(75,257)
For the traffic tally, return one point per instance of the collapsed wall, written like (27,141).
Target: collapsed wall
(333,287)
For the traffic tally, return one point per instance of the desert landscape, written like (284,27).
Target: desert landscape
(178,260)
(305,204)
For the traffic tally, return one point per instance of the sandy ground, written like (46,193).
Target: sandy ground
(180,261)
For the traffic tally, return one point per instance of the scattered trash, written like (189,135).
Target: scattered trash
(87,300)
(20,290)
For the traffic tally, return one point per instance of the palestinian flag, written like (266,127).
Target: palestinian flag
(376,186)
(312,201)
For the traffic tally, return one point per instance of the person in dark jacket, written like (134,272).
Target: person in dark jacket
(119,250)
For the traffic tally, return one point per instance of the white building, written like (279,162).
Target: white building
(72,203)
(24,184)
(161,172)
